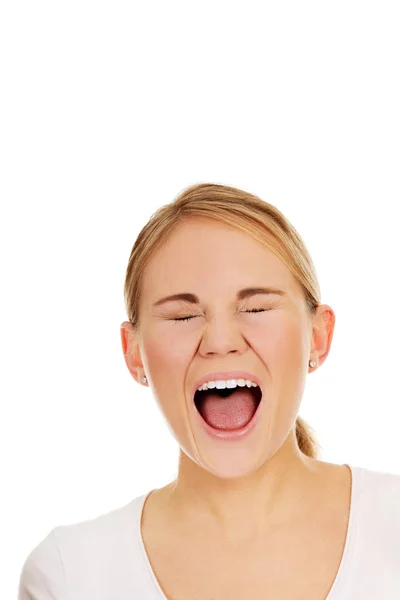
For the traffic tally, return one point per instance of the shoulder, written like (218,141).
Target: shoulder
(377,505)
(95,542)
(43,576)
(379,486)
(70,553)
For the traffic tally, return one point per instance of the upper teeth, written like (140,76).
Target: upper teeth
(228,383)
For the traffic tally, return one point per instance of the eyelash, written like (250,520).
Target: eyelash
(253,310)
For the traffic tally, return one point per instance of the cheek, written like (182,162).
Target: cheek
(167,365)
(163,341)
(165,359)
(280,341)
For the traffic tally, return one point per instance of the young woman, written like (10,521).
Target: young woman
(225,323)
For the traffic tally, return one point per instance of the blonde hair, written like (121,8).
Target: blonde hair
(246,212)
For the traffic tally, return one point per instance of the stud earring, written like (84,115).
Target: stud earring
(144,379)
(312,363)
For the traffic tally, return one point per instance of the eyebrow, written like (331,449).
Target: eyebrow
(241,295)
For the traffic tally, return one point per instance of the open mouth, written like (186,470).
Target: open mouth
(228,408)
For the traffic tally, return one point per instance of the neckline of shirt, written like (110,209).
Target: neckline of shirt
(340,579)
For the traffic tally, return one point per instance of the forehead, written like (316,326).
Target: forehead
(204,254)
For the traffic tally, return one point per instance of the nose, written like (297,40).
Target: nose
(221,336)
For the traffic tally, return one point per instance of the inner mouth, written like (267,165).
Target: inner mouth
(228,408)
(225,392)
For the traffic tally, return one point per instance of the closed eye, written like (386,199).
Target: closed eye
(253,310)
(182,319)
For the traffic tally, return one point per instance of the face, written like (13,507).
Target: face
(214,261)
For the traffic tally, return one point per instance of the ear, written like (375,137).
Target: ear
(322,333)
(131,351)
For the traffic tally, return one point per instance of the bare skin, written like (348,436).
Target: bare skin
(297,559)
(235,495)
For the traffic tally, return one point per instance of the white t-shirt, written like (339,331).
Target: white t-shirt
(105,559)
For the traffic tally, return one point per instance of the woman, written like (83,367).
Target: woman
(225,323)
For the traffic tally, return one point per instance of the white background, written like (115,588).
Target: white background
(108,110)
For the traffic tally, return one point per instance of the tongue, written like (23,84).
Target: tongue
(232,412)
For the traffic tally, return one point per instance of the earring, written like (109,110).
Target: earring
(312,363)
(144,379)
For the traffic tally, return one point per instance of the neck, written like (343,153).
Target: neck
(249,507)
